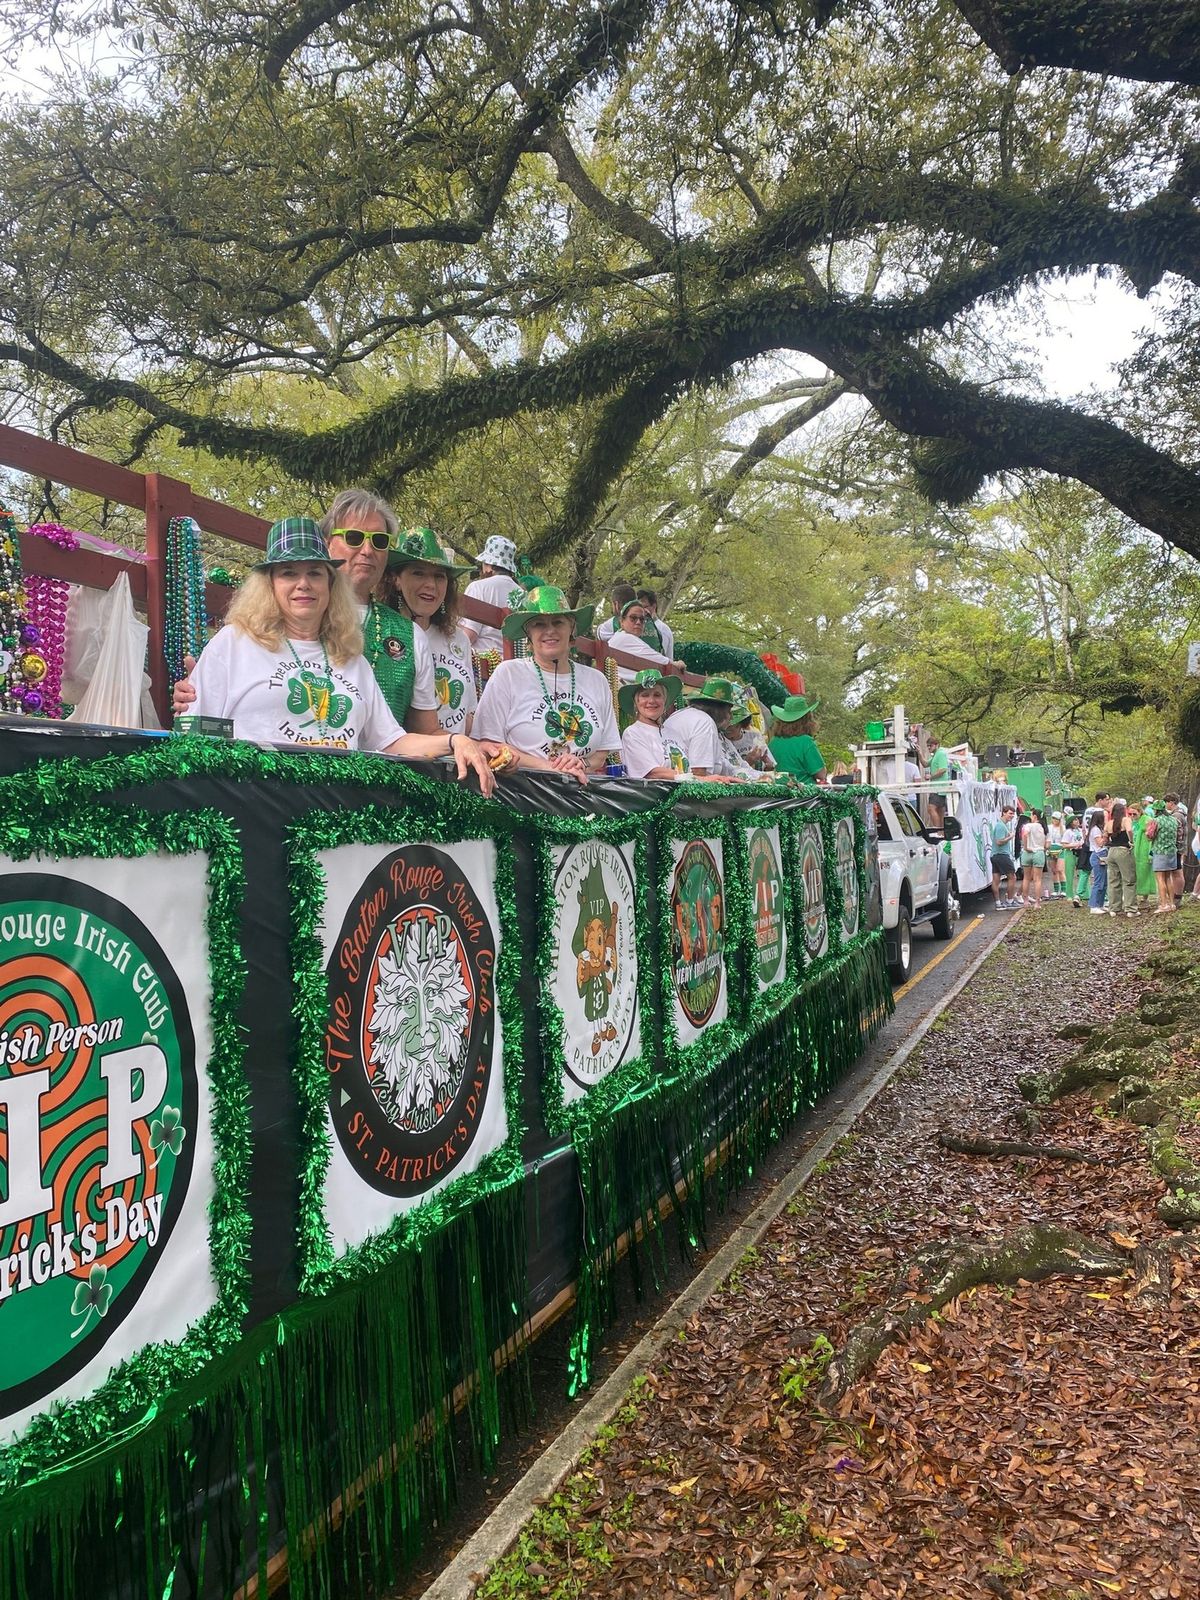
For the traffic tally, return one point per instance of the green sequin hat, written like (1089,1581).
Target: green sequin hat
(743,706)
(421,544)
(718,691)
(793,708)
(649,678)
(545,601)
(295,539)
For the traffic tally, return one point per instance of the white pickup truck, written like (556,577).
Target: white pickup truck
(914,878)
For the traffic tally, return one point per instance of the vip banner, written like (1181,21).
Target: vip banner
(595,967)
(847,868)
(106,1148)
(699,935)
(814,925)
(764,853)
(413,1042)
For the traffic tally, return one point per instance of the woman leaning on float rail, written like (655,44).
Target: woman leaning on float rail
(555,713)
(288,667)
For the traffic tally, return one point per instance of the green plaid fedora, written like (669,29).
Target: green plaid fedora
(295,539)
(421,544)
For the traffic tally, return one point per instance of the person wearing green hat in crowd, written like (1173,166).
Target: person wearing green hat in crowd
(288,668)
(646,751)
(426,589)
(359,530)
(556,712)
(791,739)
(699,728)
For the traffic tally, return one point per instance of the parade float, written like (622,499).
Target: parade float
(324,1083)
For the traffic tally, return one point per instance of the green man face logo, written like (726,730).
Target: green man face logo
(314,694)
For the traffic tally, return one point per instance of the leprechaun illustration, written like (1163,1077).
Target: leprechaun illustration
(595,946)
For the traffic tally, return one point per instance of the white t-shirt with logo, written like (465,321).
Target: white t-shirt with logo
(610,625)
(696,734)
(291,695)
(454,677)
(424,695)
(644,746)
(514,709)
(501,589)
(631,645)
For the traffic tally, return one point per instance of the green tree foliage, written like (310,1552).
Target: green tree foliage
(460,225)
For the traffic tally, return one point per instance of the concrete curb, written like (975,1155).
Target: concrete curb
(493,1536)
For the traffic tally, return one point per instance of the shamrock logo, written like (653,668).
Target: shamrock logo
(569,723)
(94,1295)
(314,694)
(167,1133)
(449,689)
(412,545)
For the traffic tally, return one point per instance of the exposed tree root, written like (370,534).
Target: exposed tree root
(946,1271)
(1102,1066)
(1016,1147)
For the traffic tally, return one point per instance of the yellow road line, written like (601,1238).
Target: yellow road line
(929,965)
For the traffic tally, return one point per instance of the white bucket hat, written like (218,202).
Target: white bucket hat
(499,552)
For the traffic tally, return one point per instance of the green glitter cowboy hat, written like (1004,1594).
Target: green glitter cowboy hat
(295,539)
(421,544)
(649,678)
(793,708)
(545,601)
(717,691)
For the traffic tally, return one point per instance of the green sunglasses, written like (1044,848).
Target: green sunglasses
(355,536)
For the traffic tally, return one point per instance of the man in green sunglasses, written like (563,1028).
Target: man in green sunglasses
(359,529)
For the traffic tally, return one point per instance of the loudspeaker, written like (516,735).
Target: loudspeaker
(995,755)
(1036,758)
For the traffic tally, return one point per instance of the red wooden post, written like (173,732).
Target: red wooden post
(165,498)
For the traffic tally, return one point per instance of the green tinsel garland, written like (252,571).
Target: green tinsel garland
(382,1323)
(729,660)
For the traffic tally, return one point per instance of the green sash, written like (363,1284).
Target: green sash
(395,664)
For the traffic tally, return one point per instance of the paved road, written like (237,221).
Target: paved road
(937,963)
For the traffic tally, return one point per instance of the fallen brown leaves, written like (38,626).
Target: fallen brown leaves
(1036,1441)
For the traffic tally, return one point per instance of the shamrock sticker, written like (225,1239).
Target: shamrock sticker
(167,1132)
(94,1295)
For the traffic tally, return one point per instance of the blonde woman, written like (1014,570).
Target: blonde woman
(288,667)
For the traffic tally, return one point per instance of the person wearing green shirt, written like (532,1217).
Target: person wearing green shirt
(791,739)
(939,767)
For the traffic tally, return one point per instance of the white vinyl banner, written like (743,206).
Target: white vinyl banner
(698,936)
(815,922)
(413,1042)
(595,983)
(766,889)
(106,1156)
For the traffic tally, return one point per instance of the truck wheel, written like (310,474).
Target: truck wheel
(943,923)
(899,950)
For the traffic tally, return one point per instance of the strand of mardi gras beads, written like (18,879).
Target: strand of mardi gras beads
(186,625)
(17,685)
(46,602)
